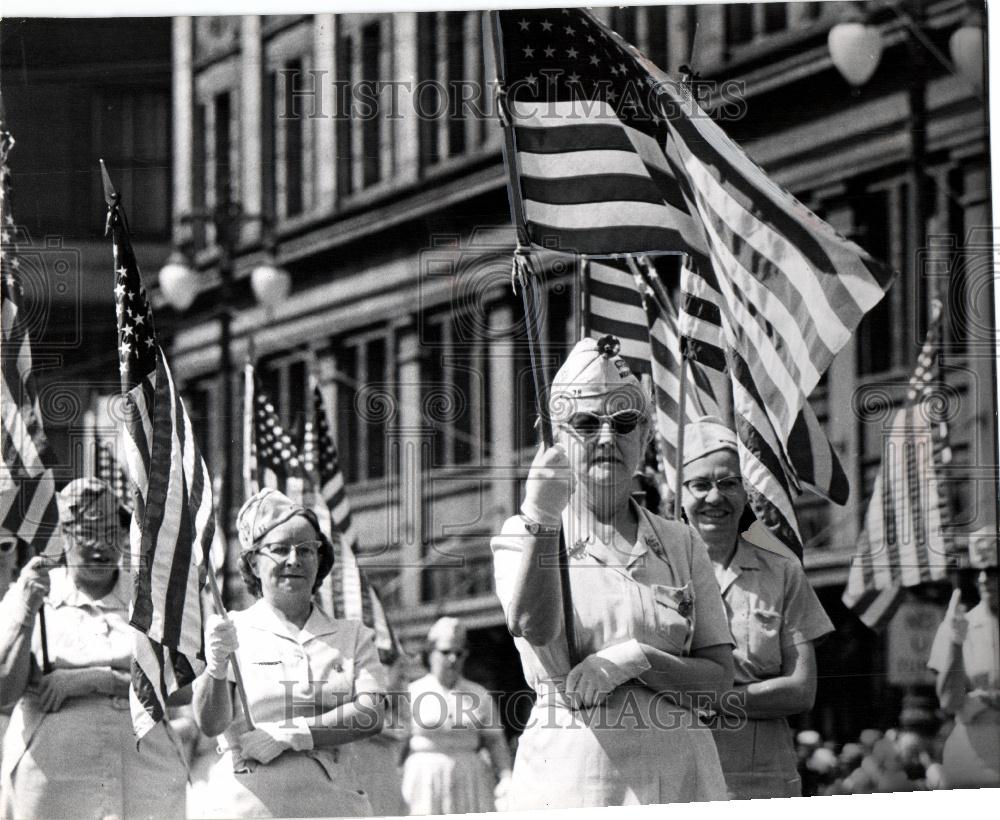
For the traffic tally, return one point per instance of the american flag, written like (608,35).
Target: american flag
(906,538)
(627,299)
(592,121)
(310,475)
(591,173)
(349,590)
(772,483)
(27,487)
(172,522)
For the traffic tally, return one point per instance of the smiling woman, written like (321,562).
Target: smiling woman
(313,683)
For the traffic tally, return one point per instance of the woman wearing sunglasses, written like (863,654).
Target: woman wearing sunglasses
(70,750)
(314,684)
(452,719)
(620,725)
(774,614)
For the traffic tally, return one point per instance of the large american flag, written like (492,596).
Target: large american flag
(608,155)
(308,472)
(172,522)
(906,538)
(27,487)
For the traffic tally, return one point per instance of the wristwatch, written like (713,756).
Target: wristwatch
(534,528)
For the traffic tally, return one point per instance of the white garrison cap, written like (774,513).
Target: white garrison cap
(592,369)
(706,435)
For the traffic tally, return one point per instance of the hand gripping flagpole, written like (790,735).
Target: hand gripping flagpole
(113,200)
(524,275)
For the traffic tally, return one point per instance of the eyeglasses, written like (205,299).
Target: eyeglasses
(91,538)
(306,549)
(727,485)
(590,424)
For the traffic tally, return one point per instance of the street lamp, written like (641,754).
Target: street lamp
(180,283)
(966,47)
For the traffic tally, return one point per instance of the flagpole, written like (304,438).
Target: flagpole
(213,585)
(678,506)
(583,303)
(524,274)
(43,635)
(248,411)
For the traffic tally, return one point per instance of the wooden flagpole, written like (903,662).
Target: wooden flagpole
(524,274)
(213,585)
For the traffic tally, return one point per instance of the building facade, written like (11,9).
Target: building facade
(70,100)
(369,146)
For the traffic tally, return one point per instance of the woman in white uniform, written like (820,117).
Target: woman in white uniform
(314,684)
(774,615)
(966,657)
(70,750)
(621,726)
(452,719)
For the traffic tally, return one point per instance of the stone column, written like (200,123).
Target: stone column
(183,125)
(251,136)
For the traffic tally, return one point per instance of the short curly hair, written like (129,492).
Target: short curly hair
(326,560)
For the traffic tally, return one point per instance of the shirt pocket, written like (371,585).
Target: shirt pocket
(674,608)
(764,641)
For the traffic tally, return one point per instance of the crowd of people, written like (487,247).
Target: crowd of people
(665,656)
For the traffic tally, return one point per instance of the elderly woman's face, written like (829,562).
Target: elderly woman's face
(605,437)
(94,546)
(714,496)
(286,560)
(447,659)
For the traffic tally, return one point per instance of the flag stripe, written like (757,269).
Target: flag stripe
(28,507)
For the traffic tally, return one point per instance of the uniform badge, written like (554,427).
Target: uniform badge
(579,548)
(655,547)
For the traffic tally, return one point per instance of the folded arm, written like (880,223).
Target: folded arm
(791,693)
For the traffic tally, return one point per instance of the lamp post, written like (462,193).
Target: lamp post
(856,47)
(180,283)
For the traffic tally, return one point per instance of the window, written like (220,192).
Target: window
(371,127)
(365,401)
(655,45)
(284,378)
(199,174)
(739,24)
(746,22)
(881,217)
(222,143)
(775,17)
(345,120)
(455,387)
(292,136)
(456,70)
(269,149)
(449,59)
(131,131)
